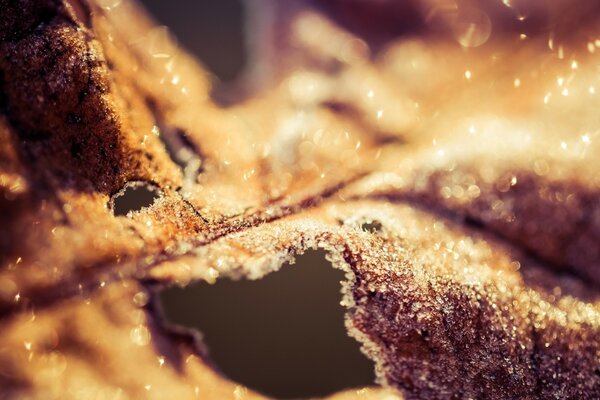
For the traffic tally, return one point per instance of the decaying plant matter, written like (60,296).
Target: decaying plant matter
(471,142)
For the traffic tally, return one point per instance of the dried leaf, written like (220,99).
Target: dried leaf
(476,167)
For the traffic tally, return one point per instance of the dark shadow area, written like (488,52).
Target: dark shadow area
(134,197)
(377,22)
(181,150)
(282,335)
(212,30)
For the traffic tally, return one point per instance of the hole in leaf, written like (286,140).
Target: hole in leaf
(133,197)
(282,335)
(372,227)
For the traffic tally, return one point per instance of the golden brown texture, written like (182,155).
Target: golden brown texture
(481,283)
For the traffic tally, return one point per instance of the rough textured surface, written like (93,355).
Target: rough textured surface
(474,154)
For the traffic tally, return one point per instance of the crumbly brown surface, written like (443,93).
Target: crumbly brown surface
(475,156)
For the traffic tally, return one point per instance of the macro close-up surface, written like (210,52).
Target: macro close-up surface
(340,199)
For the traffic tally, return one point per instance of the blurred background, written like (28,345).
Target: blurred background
(283,335)
(211,30)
